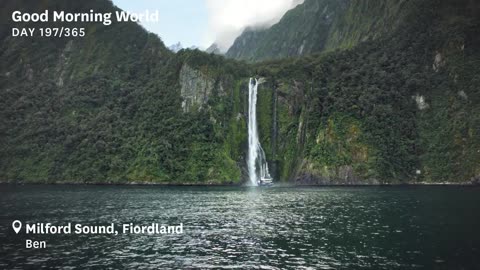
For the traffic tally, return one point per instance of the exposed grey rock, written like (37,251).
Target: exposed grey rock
(438,62)
(476,180)
(62,63)
(195,88)
(29,74)
(214,49)
(421,103)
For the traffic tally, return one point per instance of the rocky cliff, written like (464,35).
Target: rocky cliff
(321,25)
(398,108)
(397,104)
(114,106)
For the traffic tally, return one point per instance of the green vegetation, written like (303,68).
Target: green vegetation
(106,108)
(397,103)
(325,25)
(400,108)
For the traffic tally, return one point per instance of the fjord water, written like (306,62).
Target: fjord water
(241,227)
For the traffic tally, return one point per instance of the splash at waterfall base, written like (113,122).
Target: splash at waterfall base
(257,164)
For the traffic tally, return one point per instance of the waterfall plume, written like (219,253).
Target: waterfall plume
(256,161)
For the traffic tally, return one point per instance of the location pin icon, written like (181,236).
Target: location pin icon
(16,225)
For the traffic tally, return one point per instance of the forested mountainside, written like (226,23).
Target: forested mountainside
(325,25)
(404,107)
(321,25)
(106,107)
(391,96)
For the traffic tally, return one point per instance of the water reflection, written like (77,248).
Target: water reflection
(270,228)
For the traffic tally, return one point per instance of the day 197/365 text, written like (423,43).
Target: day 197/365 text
(48,32)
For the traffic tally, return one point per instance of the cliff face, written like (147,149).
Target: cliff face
(113,106)
(399,108)
(321,25)
(195,88)
(399,103)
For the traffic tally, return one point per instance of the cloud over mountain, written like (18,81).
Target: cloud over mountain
(228,18)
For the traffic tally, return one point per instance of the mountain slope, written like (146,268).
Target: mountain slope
(398,104)
(318,25)
(102,108)
(402,108)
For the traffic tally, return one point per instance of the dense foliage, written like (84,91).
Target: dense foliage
(399,108)
(396,102)
(104,108)
(321,25)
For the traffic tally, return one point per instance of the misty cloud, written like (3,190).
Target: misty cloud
(228,18)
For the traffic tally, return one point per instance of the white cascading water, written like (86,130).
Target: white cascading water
(257,163)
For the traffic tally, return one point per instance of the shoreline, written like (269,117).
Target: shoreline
(277,185)
(173,184)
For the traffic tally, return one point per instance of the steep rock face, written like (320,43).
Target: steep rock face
(195,88)
(213,49)
(324,24)
(107,107)
(394,109)
(302,148)
(283,39)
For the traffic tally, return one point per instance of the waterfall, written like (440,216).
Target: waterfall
(257,163)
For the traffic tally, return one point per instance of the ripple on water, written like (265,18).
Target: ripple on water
(242,228)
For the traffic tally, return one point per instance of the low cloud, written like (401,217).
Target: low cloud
(228,18)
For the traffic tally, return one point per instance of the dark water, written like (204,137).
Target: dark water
(244,228)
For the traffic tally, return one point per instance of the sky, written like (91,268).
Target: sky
(202,22)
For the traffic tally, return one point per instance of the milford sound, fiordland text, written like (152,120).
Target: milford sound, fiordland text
(128,228)
(70,228)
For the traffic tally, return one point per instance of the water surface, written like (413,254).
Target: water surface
(244,228)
